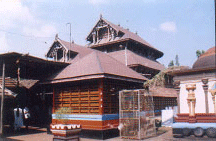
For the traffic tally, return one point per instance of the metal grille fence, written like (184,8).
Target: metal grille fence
(136,110)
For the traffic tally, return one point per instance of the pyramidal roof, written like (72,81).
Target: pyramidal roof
(97,65)
(128,35)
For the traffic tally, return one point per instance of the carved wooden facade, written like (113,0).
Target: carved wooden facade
(90,98)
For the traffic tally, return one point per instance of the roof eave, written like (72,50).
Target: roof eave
(188,71)
(94,76)
(126,39)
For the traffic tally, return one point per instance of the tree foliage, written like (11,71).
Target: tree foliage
(62,113)
(157,80)
(198,53)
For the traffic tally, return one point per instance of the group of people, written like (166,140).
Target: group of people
(21,118)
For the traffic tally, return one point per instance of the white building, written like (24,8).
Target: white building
(196,94)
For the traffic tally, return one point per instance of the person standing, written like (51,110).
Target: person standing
(26,116)
(18,118)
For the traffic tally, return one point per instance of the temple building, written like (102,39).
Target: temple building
(196,90)
(113,60)
(125,46)
(87,79)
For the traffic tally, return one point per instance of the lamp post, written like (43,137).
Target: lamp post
(2,97)
(70,41)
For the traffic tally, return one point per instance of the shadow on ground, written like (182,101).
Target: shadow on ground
(162,130)
(8,132)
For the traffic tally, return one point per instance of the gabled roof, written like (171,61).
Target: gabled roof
(28,83)
(76,49)
(11,86)
(81,50)
(11,83)
(128,35)
(97,65)
(135,59)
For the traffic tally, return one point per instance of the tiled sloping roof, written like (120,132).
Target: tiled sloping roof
(28,83)
(135,59)
(81,50)
(8,92)
(127,35)
(163,92)
(97,63)
(209,52)
(11,83)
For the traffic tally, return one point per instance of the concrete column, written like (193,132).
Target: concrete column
(205,87)
(191,98)
(177,88)
(193,107)
(213,93)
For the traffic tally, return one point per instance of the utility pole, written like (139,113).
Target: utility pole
(126,53)
(2,97)
(70,40)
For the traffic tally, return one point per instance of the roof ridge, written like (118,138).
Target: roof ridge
(98,61)
(131,56)
(127,32)
(114,59)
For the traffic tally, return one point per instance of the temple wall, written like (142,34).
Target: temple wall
(94,104)
(199,94)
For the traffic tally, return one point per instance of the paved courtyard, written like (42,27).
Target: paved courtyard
(40,134)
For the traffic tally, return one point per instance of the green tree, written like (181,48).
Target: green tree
(171,63)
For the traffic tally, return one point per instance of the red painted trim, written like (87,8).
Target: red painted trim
(92,125)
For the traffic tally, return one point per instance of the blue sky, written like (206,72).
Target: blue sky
(172,26)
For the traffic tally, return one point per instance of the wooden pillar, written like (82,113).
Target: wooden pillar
(93,36)
(53,108)
(205,87)
(97,35)
(2,98)
(18,72)
(177,88)
(108,33)
(101,106)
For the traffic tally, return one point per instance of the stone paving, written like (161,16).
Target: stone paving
(40,134)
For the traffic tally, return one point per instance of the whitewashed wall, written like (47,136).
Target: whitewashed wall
(211,106)
(199,94)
